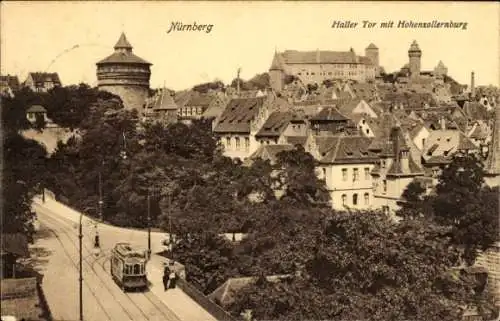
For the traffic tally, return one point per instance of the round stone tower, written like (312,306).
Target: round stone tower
(125,75)
(414,54)
(372,53)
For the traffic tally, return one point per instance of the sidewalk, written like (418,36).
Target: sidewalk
(175,299)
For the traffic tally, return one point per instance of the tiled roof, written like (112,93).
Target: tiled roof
(275,124)
(123,58)
(269,152)
(381,128)
(225,293)
(364,90)
(296,140)
(319,57)
(36,109)
(480,131)
(41,77)
(330,113)
(14,243)
(349,150)
(475,110)
(162,101)
(239,114)
(445,143)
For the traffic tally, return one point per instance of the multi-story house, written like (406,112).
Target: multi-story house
(198,104)
(161,107)
(240,122)
(345,163)
(394,171)
(8,85)
(42,81)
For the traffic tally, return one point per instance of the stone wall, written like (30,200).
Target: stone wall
(19,297)
(490,259)
(132,96)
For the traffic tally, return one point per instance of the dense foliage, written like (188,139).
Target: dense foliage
(339,265)
(461,203)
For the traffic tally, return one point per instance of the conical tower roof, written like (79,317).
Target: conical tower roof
(492,166)
(371,46)
(276,64)
(123,43)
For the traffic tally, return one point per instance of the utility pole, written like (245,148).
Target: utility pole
(97,243)
(149,225)
(170,236)
(80,279)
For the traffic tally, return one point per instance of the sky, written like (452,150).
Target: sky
(41,36)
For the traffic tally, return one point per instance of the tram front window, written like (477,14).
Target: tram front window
(137,269)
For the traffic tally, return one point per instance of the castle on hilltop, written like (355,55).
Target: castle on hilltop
(125,75)
(313,67)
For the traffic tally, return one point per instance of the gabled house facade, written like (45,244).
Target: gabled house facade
(42,81)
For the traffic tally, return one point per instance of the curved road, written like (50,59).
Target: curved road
(102,298)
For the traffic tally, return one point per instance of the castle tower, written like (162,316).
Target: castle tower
(492,165)
(372,53)
(125,75)
(277,73)
(415,54)
(441,69)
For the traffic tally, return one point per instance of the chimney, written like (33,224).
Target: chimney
(472,89)
(442,122)
(238,82)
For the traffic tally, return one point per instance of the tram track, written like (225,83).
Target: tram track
(100,261)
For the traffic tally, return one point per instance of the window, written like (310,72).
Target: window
(228,141)
(344,174)
(367,131)
(247,143)
(367,173)
(324,173)
(385,209)
(423,142)
(344,199)
(367,199)
(137,269)
(355,199)
(355,174)
(237,139)
(382,163)
(385,185)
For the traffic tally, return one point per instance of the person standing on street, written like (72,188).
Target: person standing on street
(166,275)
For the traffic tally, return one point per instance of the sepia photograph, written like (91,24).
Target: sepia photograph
(250,161)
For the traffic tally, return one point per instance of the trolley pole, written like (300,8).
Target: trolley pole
(97,243)
(80,279)
(149,225)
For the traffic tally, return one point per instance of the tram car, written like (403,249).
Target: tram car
(128,267)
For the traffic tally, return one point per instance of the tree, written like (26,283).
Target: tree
(206,87)
(297,177)
(23,173)
(364,266)
(465,206)
(415,202)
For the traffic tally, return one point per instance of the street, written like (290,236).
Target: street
(102,298)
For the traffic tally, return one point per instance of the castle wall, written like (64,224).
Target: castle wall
(132,96)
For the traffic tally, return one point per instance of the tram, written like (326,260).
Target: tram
(128,267)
